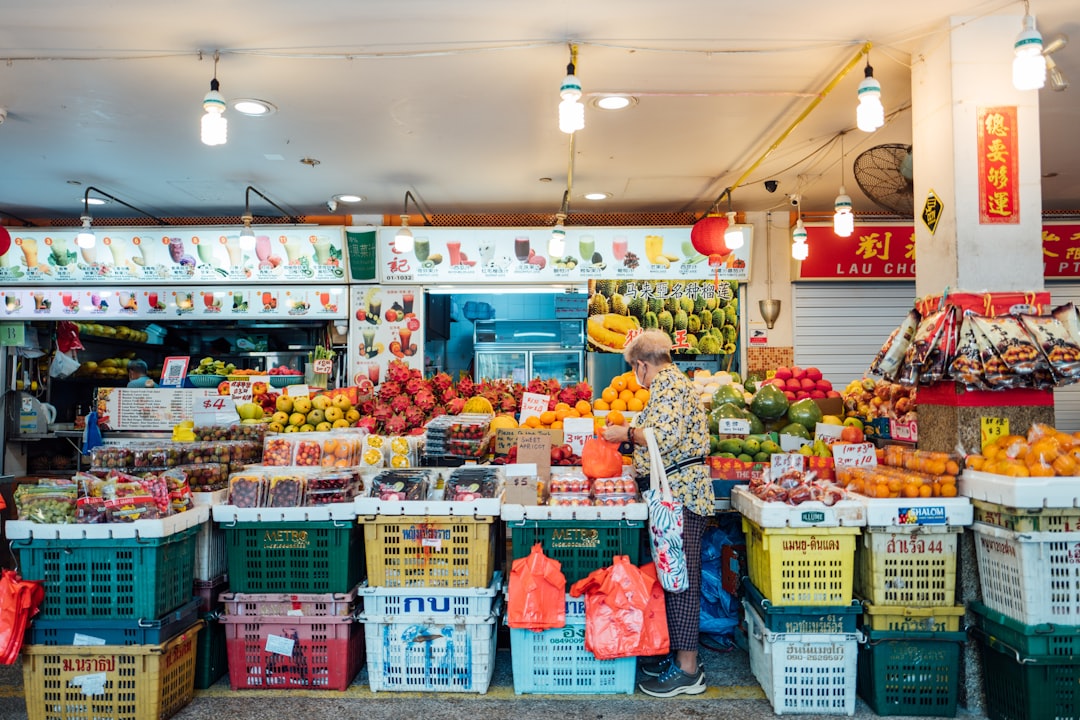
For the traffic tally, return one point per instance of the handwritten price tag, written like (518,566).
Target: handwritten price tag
(576,431)
(324,366)
(827,431)
(993,428)
(214,403)
(779,463)
(521,484)
(854,455)
(532,404)
(733,426)
(296,390)
(240,391)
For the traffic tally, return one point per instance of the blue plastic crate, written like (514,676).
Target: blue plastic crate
(556,662)
(46,631)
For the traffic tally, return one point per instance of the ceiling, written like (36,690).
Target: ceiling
(456,102)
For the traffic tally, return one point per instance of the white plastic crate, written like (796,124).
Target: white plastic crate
(429,654)
(1033,577)
(1028,492)
(845,513)
(803,673)
(211,553)
(436,603)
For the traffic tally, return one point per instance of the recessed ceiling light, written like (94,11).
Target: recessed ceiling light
(597,196)
(346,198)
(614,102)
(253,107)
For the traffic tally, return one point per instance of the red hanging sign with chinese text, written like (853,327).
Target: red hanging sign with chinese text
(880,252)
(999,164)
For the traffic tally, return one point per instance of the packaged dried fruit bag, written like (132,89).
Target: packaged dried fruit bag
(1011,343)
(890,357)
(996,372)
(1059,351)
(130,509)
(924,362)
(967,366)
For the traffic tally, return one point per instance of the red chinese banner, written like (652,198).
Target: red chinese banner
(999,164)
(1061,250)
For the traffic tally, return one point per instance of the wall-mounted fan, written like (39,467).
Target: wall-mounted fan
(884,175)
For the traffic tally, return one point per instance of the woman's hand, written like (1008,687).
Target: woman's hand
(614,433)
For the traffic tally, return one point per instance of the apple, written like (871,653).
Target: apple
(798,373)
(361,314)
(793,385)
(813,373)
(854,422)
(223,387)
(790,396)
(250,411)
(808,384)
(832,394)
(831,420)
(802,395)
(817,394)
(258,388)
(851,434)
(824,385)
(782,373)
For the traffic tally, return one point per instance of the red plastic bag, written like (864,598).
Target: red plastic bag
(536,597)
(19,601)
(624,611)
(600,458)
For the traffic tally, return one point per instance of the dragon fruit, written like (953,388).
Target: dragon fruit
(583,390)
(455,406)
(382,412)
(424,399)
(440,381)
(415,417)
(507,403)
(368,423)
(396,424)
(413,385)
(449,394)
(465,386)
(397,371)
(389,390)
(400,403)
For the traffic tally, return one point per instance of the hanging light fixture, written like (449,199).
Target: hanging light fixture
(571,111)
(557,242)
(247,234)
(1058,82)
(215,128)
(403,239)
(843,218)
(870,115)
(1029,63)
(799,249)
(85,238)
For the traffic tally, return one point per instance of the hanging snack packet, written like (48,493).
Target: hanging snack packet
(967,366)
(1013,345)
(921,357)
(1059,351)
(996,372)
(1069,315)
(891,355)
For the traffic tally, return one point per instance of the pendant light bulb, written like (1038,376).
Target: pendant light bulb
(403,240)
(843,218)
(86,238)
(799,249)
(247,235)
(215,128)
(571,111)
(870,115)
(557,243)
(733,235)
(1029,63)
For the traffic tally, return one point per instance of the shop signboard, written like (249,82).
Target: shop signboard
(170,302)
(384,324)
(174,255)
(520,255)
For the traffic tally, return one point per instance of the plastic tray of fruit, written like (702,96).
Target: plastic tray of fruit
(844,513)
(469,448)
(383,500)
(570,483)
(1023,492)
(162,527)
(274,493)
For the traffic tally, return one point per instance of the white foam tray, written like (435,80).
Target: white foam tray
(331,511)
(846,513)
(217,497)
(483,507)
(633,511)
(888,512)
(26,530)
(1028,492)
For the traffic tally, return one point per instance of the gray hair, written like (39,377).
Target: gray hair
(652,346)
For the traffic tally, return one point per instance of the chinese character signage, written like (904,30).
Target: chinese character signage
(1061,250)
(884,252)
(999,188)
(931,213)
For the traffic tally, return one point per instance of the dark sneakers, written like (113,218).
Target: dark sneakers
(673,681)
(654,666)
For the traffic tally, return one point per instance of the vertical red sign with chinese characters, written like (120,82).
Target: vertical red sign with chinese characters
(999,187)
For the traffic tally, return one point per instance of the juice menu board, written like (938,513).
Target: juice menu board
(385,323)
(516,255)
(150,409)
(165,302)
(174,255)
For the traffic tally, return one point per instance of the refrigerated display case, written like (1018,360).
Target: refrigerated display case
(520,350)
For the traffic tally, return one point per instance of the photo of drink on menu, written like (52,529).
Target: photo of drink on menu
(385,324)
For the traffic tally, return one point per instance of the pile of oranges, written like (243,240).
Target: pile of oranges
(623,394)
(1044,452)
(553,419)
(884,481)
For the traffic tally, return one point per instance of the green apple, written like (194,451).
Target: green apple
(854,422)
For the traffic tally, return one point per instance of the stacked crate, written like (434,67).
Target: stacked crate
(430,607)
(211,566)
(1027,546)
(583,539)
(798,601)
(117,630)
(906,576)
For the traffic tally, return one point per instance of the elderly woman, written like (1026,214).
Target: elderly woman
(682,434)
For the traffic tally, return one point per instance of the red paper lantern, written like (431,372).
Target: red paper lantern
(707,237)
(5,240)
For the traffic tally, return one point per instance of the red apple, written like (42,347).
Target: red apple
(832,394)
(790,396)
(361,314)
(852,434)
(783,373)
(813,373)
(793,385)
(798,373)
(824,385)
(817,394)
(802,395)
(808,384)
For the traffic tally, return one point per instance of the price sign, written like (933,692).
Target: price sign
(532,404)
(213,404)
(240,391)
(791,443)
(827,431)
(855,455)
(534,446)
(733,426)
(576,431)
(214,418)
(993,428)
(173,371)
(296,390)
(521,484)
(279,645)
(779,463)
(907,432)
(323,366)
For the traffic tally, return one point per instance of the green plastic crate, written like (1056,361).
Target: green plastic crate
(110,578)
(1046,639)
(1027,687)
(580,545)
(910,673)
(322,556)
(211,654)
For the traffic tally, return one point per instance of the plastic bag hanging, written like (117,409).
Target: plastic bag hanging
(536,596)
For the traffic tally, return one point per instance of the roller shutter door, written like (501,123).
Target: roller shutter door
(1066,399)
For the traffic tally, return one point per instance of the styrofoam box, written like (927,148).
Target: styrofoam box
(26,530)
(319,513)
(1028,492)
(633,511)
(885,512)
(216,497)
(803,673)
(488,507)
(445,604)
(846,513)
(211,553)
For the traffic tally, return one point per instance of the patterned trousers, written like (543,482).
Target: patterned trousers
(684,609)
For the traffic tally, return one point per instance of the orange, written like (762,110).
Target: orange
(547,417)
(626,395)
(948,490)
(911,490)
(601,405)
(573,413)
(562,412)
(618,383)
(642,394)
(619,405)
(615,418)
(561,406)
(608,394)
(583,407)
(557,425)
(532,422)
(631,382)
(926,491)
(634,405)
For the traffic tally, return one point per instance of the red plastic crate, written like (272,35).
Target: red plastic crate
(285,652)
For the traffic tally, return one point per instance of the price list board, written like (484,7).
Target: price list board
(149,409)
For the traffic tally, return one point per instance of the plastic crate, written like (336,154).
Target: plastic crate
(114,632)
(1027,687)
(1038,519)
(800,619)
(909,566)
(1030,577)
(211,552)
(135,682)
(897,618)
(319,556)
(732,568)
(556,662)
(1060,641)
(429,551)
(209,593)
(295,604)
(812,673)
(442,604)
(110,578)
(424,654)
(211,655)
(311,653)
(580,545)
(802,566)
(911,673)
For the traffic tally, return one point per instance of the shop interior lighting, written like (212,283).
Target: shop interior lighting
(253,107)
(843,218)
(557,242)
(1058,82)
(247,235)
(403,240)
(215,128)
(1029,63)
(86,238)
(571,111)
(870,115)
(799,249)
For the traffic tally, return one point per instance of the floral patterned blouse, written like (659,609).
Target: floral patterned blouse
(682,432)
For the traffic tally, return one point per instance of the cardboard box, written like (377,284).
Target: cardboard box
(831,406)
(721,468)
(506,438)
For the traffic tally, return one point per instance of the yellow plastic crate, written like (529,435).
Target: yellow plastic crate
(1027,519)
(429,551)
(898,618)
(911,566)
(802,566)
(133,682)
